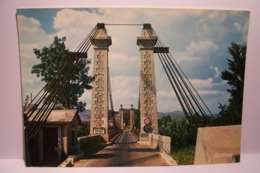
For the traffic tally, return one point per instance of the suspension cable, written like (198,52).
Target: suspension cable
(54,89)
(175,73)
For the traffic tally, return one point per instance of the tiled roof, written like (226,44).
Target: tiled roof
(62,116)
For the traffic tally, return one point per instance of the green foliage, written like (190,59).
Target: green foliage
(232,113)
(26,101)
(184,156)
(181,132)
(81,106)
(84,129)
(183,138)
(53,60)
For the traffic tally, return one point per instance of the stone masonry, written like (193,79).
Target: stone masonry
(148,105)
(99,107)
(132,114)
(121,113)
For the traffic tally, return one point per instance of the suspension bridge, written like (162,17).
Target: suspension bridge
(124,142)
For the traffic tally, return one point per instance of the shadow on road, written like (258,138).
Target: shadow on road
(101,156)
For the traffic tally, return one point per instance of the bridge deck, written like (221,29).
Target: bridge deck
(124,152)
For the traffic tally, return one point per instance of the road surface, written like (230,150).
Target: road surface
(124,152)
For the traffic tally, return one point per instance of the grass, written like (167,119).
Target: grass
(184,156)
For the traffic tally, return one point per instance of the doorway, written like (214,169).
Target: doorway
(50,144)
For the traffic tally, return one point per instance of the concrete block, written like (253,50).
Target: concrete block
(218,144)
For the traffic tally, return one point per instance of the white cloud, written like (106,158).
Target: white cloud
(125,86)
(245,30)
(31,36)
(200,83)
(28,24)
(217,72)
(192,35)
(201,48)
(237,26)
(218,16)
(196,51)
(30,31)
(120,63)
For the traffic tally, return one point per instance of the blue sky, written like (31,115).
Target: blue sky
(198,40)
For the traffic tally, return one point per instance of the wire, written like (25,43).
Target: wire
(123,24)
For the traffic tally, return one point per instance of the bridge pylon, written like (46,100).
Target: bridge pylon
(131,117)
(99,107)
(148,103)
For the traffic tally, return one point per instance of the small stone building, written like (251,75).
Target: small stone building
(57,138)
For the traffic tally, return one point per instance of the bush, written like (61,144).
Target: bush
(84,129)
(181,132)
(184,156)
(183,137)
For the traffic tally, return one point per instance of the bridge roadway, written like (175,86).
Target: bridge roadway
(124,152)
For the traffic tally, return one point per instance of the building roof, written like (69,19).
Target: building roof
(60,116)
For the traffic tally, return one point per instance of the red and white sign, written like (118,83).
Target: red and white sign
(147,121)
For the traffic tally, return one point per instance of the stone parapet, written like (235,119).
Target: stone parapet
(163,143)
(218,144)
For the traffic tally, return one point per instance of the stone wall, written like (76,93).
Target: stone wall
(218,144)
(163,143)
(87,144)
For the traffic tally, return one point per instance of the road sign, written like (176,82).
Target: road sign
(147,121)
(147,128)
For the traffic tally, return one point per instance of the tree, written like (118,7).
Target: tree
(235,78)
(84,129)
(53,60)
(26,101)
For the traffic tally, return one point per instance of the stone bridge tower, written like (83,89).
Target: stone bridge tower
(148,103)
(99,106)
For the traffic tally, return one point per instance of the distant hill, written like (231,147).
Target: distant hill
(174,114)
(85,115)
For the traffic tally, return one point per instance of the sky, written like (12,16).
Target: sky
(197,39)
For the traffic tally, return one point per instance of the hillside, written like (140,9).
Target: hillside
(85,116)
(174,114)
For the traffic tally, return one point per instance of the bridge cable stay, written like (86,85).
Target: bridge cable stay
(188,102)
(172,59)
(172,80)
(178,70)
(52,96)
(184,90)
(124,24)
(169,61)
(68,63)
(184,78)
(45,110)
(183,82)
(139,99)
(48,104)
(49,85)
(48,97)
(177,87)
(111,100)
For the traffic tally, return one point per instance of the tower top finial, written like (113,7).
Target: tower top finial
(100,25)
(147,26)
